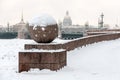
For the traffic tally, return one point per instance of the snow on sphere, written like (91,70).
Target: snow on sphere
(43,20)
(45,27)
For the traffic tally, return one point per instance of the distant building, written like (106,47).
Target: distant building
(1,28)
(69,31)
(18,30)
(21,28)
(6,32)
(72,32)
(67,20)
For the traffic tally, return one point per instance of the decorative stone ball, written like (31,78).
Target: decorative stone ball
(43,29)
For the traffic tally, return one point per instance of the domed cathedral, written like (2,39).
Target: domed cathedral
(21,29)
(67,20)
(68,30)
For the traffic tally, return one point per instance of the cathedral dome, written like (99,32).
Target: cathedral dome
(67,20)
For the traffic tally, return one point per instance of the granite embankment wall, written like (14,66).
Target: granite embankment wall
(75,43)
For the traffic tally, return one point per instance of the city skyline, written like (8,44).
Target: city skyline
(80,11)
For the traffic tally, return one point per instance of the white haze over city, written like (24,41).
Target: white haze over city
(80,11)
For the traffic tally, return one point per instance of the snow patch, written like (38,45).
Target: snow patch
(42,21)
(36,35)
(44,35)
(41,50)
(35,27)
(43,29)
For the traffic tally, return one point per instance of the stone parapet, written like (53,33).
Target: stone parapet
(74,43)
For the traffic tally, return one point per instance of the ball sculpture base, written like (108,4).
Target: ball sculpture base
(42,60)
(43,29)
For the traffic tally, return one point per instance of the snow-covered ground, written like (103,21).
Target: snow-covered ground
(98,61)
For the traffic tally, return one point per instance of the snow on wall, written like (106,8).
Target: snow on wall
(43,20)
(41,50)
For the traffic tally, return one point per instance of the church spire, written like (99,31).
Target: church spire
(22,17)
(22,20)
(67,13)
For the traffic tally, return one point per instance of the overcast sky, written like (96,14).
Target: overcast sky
(79,10)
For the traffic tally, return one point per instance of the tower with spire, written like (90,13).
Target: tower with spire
(101,22)
(22,20)
(21,28)
(67,13)
(102,15)
(8,27)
